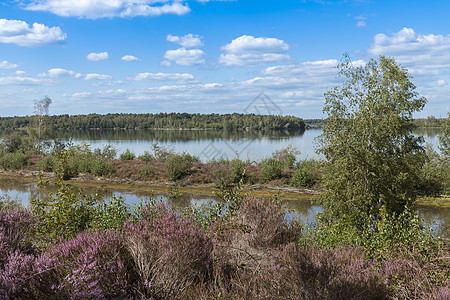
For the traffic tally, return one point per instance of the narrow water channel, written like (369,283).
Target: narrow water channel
(24,191)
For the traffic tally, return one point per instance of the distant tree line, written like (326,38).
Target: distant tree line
(430,122)
(162,121)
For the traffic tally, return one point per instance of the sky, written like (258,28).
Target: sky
(206,56)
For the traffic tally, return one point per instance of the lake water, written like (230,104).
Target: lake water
(304,209)
(209,144)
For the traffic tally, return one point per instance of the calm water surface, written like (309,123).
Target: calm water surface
(25,191)
(209,144)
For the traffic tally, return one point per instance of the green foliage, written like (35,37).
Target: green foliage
(444,139)
(146,156)
(178,165)
(148,171)
(161,153)
(127,155)
(271,169)
(14,161)
(47,163)
(100,167)
(66,212)
(162,121)
(237,170)
(108,152)
(111,214)
(435,174)
(287,156)
(304,177)
(373,158)
(15,142)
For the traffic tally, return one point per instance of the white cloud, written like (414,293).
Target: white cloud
(130,58)
(187,41)
(248,50)
(20,73)
(184,57)
(58,72)
(20,33)
(361,23)
(94,9)
(408,47)
(23,80)
(164,76)
(95,76)
(97,56)
(441,82)
(7,65)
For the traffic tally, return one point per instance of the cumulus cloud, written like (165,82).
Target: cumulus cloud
(184,57)
(248,50)
(420,52)
(95,76)
(7,65)
(58,72)
(94,9)
(187,41)
(20,33)
(164,77)
(130,58)
(97,56)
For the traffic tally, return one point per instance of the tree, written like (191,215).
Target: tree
(373,160)
(40,130)
(444,138)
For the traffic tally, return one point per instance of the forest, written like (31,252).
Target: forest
(233,121)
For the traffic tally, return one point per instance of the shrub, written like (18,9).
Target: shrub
(94,266)
(146,156)
(47,163)
(271,169)
(237,170)
(178,165)
(169,251)
(26,276)
(14,161)
(108,152)
(287,156)
(127,155)
(111,214)
(100,167)
(16,227)
(303,176)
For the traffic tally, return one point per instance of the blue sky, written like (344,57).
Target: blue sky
(150,56)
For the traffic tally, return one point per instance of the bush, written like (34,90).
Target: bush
(303,177)
(100,167)
(170,252)
(178,165)
(287,156)
(27,276)
(146,156)
(94,266)
(14,161)
(127,155)
(271,169)
(237,170)
(111,214)
(47,163)
(108,152)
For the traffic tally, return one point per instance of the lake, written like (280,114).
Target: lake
(209,144)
